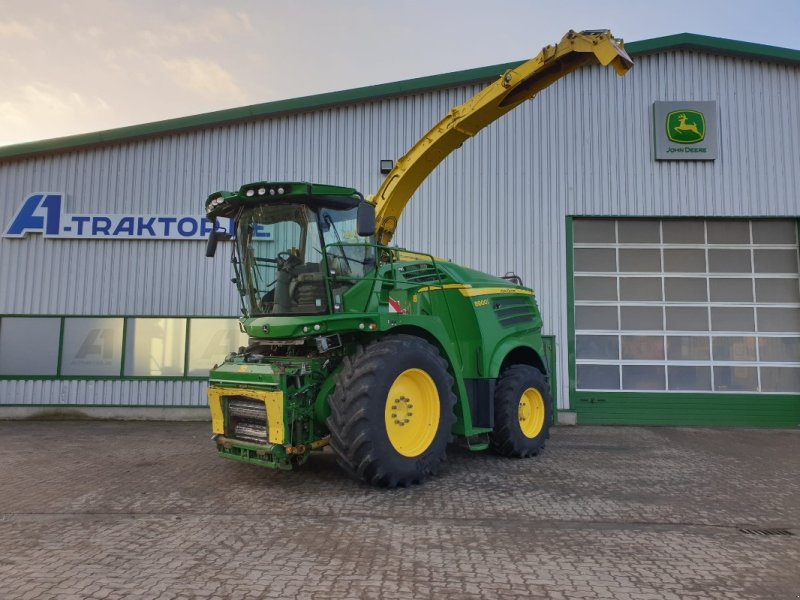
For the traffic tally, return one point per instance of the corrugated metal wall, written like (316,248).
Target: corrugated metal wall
(497,204)
(104,392)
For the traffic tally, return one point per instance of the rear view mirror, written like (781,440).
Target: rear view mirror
(211,247)
(365,220)
(216,235)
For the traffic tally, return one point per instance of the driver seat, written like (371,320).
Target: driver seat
(307,291)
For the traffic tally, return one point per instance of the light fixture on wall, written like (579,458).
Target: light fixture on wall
(386,166)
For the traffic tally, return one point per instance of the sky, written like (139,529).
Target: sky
(90,65)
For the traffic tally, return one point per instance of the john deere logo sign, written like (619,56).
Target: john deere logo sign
(685,130)
(686,127)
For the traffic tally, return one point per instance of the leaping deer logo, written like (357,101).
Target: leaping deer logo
(684,126)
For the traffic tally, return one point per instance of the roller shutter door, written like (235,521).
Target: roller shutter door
(690,321)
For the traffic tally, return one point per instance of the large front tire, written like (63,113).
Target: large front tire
(522,412)
(392,412)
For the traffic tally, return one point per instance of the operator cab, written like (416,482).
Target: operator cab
(298,251)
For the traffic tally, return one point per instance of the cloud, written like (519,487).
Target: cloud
(46,111)
(9,64)
(12,115)
(15,29)
(59,102)
(213,26)
(88,35)
(205,77)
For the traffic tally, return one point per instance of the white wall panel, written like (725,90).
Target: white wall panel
(499,203)
(103,392)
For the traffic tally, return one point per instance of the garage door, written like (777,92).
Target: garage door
(685,321)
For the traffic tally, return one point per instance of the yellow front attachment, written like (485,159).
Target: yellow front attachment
(412,412)
(531,413)
(273,405)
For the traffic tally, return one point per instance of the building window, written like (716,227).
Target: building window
(687,305)
(50,347)
(155,347)
(92,346)
(210,340)
(29,346)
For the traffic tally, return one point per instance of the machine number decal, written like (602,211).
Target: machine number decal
(484,302)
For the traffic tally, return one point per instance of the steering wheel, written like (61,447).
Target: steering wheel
(283,258)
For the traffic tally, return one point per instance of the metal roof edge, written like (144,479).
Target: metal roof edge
(681,41)
(255,111)
(715,45)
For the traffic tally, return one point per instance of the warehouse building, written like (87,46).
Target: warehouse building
(656,217)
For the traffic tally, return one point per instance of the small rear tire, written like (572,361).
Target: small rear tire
(522,412)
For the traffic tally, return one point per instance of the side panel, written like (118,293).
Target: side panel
(481,401)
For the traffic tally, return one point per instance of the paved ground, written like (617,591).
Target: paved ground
(147,510)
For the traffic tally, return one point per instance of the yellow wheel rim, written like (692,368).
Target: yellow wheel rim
(531,413)
(412,412)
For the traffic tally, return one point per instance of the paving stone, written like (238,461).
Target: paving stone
(147,511)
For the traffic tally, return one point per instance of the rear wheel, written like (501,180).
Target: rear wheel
(392,411)
(522,412)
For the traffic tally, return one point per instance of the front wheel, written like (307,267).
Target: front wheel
(522,412)
(392,411)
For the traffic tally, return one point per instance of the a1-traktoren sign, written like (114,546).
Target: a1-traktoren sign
(686,130)
(44,213)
